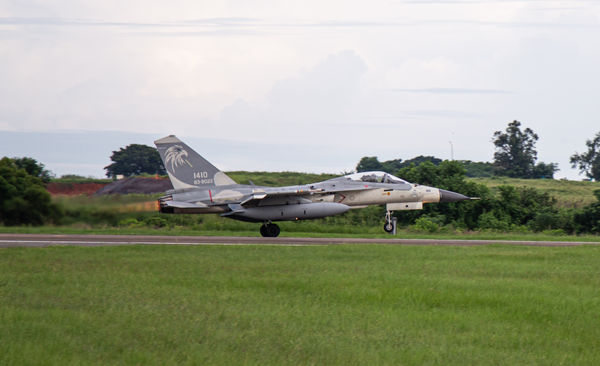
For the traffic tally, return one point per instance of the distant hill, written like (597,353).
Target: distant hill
(568,193)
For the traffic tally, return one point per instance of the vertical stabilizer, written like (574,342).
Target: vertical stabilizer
(186,168)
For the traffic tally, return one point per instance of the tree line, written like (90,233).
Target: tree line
(515,157)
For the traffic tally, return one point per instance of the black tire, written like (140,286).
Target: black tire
(263,230)
(388,227)
(273,230)
(269,230)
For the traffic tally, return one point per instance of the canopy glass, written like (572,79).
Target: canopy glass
(375,177)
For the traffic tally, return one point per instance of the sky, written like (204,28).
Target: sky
(307,86)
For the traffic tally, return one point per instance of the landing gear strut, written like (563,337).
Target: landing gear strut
(390,223)
(269,230)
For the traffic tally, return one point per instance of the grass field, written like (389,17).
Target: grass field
(568,193)
(267,305)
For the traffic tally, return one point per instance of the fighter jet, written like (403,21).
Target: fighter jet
(201,188)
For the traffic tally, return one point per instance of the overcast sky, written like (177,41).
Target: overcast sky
(303,85)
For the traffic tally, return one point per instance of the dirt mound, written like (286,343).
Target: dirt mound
(136,185)
(73,189)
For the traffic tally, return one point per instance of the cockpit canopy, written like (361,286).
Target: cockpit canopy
(375,177)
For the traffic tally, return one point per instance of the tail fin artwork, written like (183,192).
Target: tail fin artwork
(186,168)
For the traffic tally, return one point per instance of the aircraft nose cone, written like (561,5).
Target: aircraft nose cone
(449,196)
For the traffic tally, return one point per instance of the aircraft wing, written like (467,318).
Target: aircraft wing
(280,196)
(274,198)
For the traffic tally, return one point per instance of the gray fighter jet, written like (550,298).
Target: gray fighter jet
(201,188)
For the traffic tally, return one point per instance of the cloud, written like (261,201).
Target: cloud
(241,25)
(57,21)
(452,91)
(319,98)
(443,113)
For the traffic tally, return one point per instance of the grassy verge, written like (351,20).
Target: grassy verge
(350,305)
(402,234)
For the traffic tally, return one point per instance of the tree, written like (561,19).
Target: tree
(589,218)
(420,160)
(135,159)
(544,171)
(515,154)
(478,168)
(392,166)
(23,197)
(589,162)
(33,167)
(368,163)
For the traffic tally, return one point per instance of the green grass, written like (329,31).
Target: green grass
(347,305)
(568,193)
(288,230)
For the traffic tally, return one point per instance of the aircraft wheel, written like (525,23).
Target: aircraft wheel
(269,230)
(388,227)
(273,230)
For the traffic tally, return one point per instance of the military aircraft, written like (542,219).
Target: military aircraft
(201,188)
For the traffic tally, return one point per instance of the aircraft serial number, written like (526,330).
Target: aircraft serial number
(202,178)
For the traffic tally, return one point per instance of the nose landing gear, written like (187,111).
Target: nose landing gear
(269,230)
(390,223)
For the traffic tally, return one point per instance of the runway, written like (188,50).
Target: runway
(46,240)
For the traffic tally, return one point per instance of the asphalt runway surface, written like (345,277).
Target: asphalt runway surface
(45,240)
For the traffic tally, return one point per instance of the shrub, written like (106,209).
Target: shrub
(544,220)
(156,222)
(425,224)
(588,220)
(23,198)
(129,222)
(489,221)
(554,232)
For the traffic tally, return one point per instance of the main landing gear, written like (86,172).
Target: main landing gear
(390,223)
(269,230)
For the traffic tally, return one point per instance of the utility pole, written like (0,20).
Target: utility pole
(451,151)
